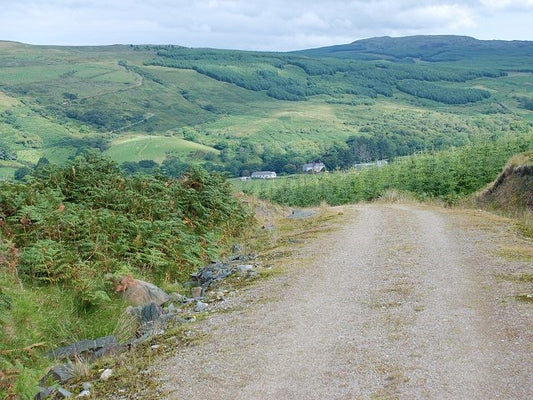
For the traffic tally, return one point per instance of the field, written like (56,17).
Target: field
(142,147)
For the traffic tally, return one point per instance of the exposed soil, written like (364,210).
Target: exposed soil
(401,302)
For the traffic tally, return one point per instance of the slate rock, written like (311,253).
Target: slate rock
(84,347)
(52,392)
(196,291)
(151,312)
(44,393)
(61,373)
(63,393)
(200,306)
(244,257)
(214,272)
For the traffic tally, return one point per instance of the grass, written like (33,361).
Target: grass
(34,321)
(521,253)
(142,147)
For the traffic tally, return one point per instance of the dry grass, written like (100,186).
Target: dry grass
(8,101)
(521,159)
(397,196)
(518,252)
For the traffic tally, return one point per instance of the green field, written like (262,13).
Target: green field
(157,148)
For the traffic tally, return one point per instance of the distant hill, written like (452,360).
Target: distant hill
(425,48)
(242,111)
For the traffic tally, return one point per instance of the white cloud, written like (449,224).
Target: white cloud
(254,24)
(508,5)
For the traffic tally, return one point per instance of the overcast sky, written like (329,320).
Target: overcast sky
(257,24)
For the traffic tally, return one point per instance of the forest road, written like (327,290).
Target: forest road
(400,302)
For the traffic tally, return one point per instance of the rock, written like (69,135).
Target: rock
(63,393)
(200,306)
(43,393)
(62,373)
(171,308)
(106,374)
(151,312)
(84,393)
(237,248)
(245,268)
(196,291)
(134,311)
(140,293)
(85,347)
(87,385)
(244,257)
(211,273)
(176,297)
(52,393)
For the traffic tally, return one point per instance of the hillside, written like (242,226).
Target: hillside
(236,111)
(512,191)
(436,48)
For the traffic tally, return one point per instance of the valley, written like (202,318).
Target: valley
(235,112)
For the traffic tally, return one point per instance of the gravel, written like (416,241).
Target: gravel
(402,302)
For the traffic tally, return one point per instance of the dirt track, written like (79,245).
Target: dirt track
(402,302)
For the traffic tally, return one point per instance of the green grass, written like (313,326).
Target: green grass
(138,147)
(7,172)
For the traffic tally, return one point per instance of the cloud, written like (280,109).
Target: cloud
(508,5)
(254,24)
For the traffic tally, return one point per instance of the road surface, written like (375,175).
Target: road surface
(400,302)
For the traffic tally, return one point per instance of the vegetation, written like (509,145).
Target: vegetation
(448,175)
(66,227)
(441,93)
(235,112)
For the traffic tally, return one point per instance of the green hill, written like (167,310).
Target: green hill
(435,48)
(237,111)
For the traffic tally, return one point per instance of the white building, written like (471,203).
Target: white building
(313,168)
(264,175)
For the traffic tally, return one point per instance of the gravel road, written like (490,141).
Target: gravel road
(400,302)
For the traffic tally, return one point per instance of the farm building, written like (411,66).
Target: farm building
(313,168)
(263,175)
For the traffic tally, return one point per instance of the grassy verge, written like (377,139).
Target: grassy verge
(66,228)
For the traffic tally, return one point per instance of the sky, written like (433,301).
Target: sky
(269,25)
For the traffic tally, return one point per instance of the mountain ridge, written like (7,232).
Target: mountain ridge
(426,47)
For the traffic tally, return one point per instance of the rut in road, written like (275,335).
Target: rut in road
(400,303)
